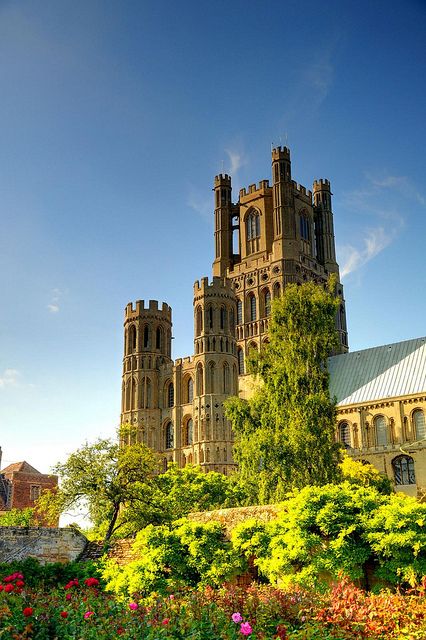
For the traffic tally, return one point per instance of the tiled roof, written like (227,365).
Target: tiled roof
(387,371)
(22,467)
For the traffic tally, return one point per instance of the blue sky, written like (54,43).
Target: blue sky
(115,117)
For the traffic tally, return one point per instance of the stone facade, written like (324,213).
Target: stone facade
(44,544)
(273,235)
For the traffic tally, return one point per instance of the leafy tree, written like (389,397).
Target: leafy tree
(364,475)
(112,480)
(285,433)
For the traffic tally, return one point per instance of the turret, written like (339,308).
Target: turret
(147,354)
(324,228)
(216,376)
(284,221)
(223,224)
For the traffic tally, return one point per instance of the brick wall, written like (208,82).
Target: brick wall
(44,544)
(26,487)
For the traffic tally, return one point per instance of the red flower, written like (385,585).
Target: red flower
(8,588)
(28,611)
(68,596)
(166,621)
(20,583)
(64,614)
(1,587)
(91,582)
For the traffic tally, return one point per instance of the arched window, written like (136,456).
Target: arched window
(169,436)
(210,317)
(158,338)
(381,430)
(345,435)
(146,336)
(170,399)
(253,225)
(239,312)
(211,378)
(403,470)
(199,321)
(189,432)
(419,424)
(222,317)
(131,339)
(277,290)
(304,227)
(190,390)
(240,355)
(267,302)
(252,307)
(199,380)
(226,378)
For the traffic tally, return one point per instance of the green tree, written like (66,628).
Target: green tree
(112,480)
(285,433)
(18,518)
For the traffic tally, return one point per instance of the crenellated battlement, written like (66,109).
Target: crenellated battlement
(303,191)
(134,310)
(218,286)
(322,185)
(182,362)
(280,153)
(252,188)
(222,180)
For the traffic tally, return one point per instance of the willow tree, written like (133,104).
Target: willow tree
(284,435)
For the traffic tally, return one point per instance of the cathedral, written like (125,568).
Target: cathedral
(272,236)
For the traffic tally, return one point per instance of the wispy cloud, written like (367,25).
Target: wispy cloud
(318,77)
(403,184)
(198,201)
(379,198)
(53,305)
(237,159)
(9,378)
(373,243)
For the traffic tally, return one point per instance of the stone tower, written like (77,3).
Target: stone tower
(146,368)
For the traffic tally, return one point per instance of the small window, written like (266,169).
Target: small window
(35,491)
(210,317)
(158,339)
(253,226)
(169,436)
(381,430)
(304,228)
(189,432)
(131,339)
(419,424)
(239,312)
(190,390)
(226,378)
(146,336)
(403,470)
(345,435)
(267,302)
(277,290)
(253,310)
(232,322)
(240,361)
(170,395)
(222,318)
(199,321)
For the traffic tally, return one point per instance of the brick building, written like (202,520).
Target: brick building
(21,485)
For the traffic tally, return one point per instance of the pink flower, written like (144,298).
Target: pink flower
(133,606)
(246,629)
(171,596)
(88,614)
(68,596)
(237,617)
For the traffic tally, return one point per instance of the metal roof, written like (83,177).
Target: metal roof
(388,371)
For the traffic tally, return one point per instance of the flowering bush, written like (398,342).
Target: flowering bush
(81,609)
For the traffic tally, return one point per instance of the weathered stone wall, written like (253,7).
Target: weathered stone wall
(44,544)
(231,517)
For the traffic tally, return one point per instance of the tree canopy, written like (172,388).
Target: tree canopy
(284,435)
